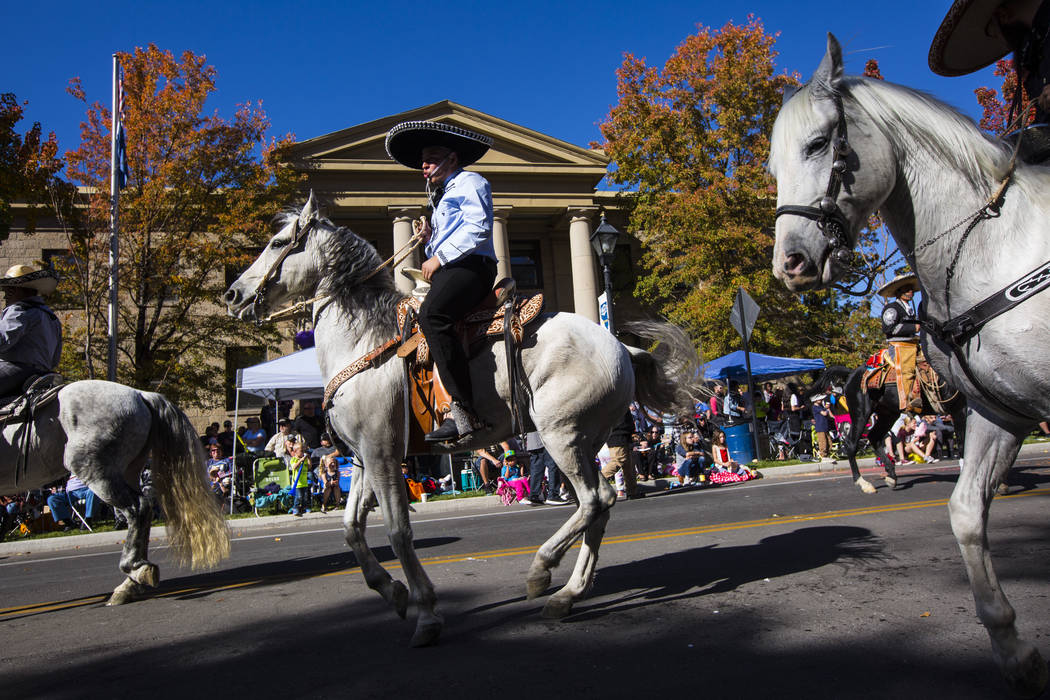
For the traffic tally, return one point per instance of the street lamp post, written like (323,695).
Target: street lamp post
(604,241)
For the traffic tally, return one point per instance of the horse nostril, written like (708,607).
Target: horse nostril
(232,296)
(794,263)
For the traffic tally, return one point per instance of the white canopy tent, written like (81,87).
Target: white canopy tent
(295,376)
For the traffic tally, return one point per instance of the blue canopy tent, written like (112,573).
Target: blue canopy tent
(763,367)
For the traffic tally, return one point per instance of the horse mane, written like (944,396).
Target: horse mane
(910,116)
(350,260)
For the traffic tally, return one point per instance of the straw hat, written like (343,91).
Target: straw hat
(968,38)
(406,141)
(898,285)
(42,280)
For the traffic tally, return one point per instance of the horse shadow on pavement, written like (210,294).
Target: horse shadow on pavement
(714,569)
(1018,479)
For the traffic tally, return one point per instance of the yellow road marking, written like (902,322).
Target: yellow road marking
(51,606)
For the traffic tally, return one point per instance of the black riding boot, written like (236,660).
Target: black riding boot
(460,423)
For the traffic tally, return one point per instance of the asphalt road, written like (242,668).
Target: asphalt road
(795,587)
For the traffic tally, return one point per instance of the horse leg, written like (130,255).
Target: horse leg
(989,453)
(393,500)
(594,497)
(859,412)
(876,435)
(358,505)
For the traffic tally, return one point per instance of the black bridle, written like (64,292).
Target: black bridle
(829,217)
(298,236)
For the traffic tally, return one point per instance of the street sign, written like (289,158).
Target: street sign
(603,310)
(744,314)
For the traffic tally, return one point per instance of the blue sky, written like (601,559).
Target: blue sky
(322,66)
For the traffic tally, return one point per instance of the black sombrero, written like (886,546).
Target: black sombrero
(968,38)
(406,141)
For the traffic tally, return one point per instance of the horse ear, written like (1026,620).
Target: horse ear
(789,92)
(309,210)
(829,72)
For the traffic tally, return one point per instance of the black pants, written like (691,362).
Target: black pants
(456,289)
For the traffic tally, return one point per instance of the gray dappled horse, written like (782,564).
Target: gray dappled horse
(105,433)
(934,177)
(582,381)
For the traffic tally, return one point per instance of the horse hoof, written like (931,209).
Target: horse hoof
(891,482)
(399,598)
(865,486)
(535,586)
(127,592)
(146,574)
(427,633)
(557,608)
(1002,489)
(1027,677)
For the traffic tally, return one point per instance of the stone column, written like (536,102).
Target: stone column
(501,241)
(584,284)
(403,217)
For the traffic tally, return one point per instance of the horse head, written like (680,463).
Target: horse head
(290,266)
(832,172)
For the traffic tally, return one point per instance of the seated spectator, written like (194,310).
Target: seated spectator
(61,504)
(722,462)
(330,481)
(926,438)
(488,466)
(689,459)
(215,478)
(278,444)
(647,459)
(510,470)
(907,447)
(706,428)
(325,448)
(254,436)
(217,457)
(945,428)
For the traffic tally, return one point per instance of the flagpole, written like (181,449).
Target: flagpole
(114,188)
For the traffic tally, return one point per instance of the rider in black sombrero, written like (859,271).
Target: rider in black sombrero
(975,33)
(30,333)
(461,258)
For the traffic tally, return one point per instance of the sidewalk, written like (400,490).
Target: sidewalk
(244,526)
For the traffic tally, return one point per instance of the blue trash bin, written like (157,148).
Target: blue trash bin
(740,442)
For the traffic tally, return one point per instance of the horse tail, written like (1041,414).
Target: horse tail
(195,525)
(667,376)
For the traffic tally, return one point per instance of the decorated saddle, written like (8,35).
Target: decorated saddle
(429,400)
(881,370)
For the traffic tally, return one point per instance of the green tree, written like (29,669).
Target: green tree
(689,142)
(29,167)
(202,189)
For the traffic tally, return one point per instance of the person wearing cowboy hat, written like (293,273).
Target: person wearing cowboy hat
(901,326)
(30,333)
(461,258)
(975,33)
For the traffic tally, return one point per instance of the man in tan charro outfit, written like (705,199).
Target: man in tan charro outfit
(901,326)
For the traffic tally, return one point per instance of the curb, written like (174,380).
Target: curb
(242,526)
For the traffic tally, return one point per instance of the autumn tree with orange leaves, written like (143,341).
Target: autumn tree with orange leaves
(689,142)
(202,189)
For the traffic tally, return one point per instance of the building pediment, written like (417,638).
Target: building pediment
(512,144)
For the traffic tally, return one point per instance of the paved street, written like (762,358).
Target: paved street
(780,588)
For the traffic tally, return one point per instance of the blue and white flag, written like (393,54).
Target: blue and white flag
(120,157)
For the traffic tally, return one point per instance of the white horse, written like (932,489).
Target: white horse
(106,433)
(932,174)
(582,381)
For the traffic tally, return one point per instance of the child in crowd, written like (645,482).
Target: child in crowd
(299,468)
(330,478)
(720,452)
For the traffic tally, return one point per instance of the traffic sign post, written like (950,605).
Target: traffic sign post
(743,316)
